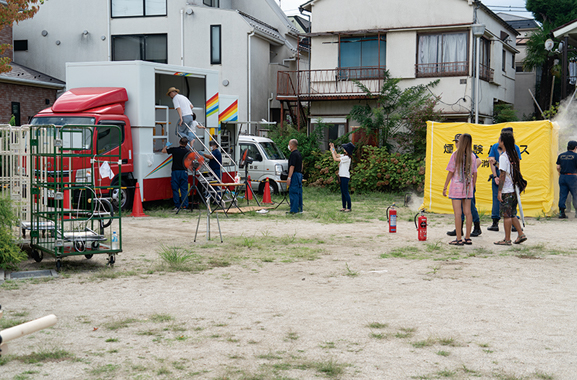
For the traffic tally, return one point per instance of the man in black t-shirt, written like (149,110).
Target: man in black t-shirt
(179,177)
(295,178)
(567,168)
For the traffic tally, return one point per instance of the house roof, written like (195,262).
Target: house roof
(266,30)
(518,22)
(24,75)
(569,29)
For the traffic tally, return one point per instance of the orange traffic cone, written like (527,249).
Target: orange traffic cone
(137,210)
(248,190)
(266,197)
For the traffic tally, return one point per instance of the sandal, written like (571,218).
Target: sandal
(343,209)
(348,210)
(468,241)
(521,239)
(503,242)
(456,242)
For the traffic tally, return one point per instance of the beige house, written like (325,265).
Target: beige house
(417,41)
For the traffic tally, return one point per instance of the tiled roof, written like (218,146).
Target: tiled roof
(27,74)
(266,29)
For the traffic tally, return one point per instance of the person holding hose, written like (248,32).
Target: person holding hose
(344,161)
(295,178)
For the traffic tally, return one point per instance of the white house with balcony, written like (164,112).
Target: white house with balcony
(248,42)
(417,41)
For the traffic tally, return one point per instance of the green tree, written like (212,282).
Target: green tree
(551,14)
(13,12)
(394,106)
(10,254)
(503,113)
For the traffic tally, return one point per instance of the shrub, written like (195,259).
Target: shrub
(10,254)
(376,170)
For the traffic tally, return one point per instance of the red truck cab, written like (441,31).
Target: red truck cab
(101,107)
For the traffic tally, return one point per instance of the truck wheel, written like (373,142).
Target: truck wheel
(122,199)
(273,187)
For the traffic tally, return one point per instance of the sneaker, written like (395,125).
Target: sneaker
(562,215)
(175,209)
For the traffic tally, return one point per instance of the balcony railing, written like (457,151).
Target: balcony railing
(486,73)
(329,83)
(445,69)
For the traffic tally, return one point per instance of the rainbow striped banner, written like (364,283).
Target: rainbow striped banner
(212,106)
(164,163)
(229,114)
(181,74)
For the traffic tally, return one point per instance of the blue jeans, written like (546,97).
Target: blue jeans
(179,184)
(345,196)
(183,131)
(567,184)
(474,211)
(496,203)
(296,193)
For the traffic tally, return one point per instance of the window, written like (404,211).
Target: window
(271,151)
(20,45)
(442,55)
(215,45)
(212,3)
(108,138)
(252,151)
(362,57)
(486,72)
(138,8)
(148,47)
(504,61)
(512,60)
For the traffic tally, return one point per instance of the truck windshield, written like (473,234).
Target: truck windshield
(272,151)
(63,120)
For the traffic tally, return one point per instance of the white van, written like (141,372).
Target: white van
(268,161)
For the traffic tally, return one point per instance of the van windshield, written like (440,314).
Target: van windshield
(63,120)
(272,151)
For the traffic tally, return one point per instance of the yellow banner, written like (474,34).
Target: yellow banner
(538,142)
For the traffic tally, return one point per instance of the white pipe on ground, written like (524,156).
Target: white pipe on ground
(27,328)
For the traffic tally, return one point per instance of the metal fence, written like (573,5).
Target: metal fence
(14,171)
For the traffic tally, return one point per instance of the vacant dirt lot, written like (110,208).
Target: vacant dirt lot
(294,298)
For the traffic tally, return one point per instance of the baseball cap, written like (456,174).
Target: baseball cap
(457,137)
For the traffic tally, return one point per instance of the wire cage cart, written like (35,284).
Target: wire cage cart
(71,212)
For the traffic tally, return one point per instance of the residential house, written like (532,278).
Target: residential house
(246,41)
(417,41)
(23,91)
(525,80)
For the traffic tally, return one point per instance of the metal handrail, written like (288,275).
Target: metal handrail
(327,82)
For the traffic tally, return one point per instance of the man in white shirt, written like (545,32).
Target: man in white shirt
(184,108)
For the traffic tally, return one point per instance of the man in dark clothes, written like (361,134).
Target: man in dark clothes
(567,168)
(179,177)
(215,159)
(215,162)
(295,178)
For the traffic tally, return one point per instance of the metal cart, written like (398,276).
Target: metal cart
(71,213)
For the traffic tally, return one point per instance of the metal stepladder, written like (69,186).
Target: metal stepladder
(207,178)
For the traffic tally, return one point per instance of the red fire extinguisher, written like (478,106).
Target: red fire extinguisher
(392,218)
(421,225)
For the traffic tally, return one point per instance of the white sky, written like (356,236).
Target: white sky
(291,6)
